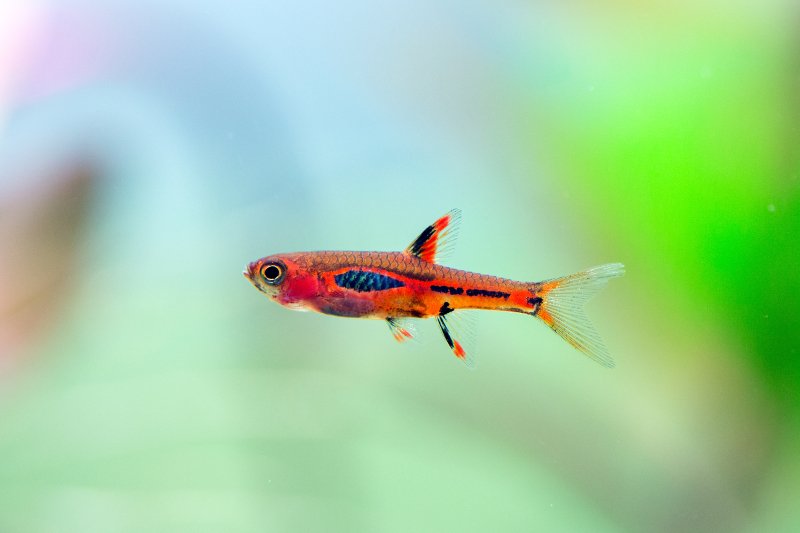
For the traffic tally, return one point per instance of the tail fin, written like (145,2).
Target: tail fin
(562,308)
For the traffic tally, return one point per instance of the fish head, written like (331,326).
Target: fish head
(283,279)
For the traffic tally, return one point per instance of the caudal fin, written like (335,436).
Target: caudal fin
(562,308)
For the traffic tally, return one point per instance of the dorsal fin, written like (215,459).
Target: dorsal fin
(437,239)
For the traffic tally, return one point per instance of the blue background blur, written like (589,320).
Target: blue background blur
(148,150)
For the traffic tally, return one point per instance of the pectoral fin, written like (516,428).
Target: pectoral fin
(402,329)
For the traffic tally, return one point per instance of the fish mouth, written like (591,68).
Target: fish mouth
(248,271)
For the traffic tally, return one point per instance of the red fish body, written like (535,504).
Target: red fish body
(395,286)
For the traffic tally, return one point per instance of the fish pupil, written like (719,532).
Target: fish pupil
(271,272)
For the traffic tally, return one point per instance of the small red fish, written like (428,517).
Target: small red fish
(396,286)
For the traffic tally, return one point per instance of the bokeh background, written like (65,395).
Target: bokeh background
(149,149)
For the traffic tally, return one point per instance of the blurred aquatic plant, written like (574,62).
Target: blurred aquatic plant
(693,151)
(42,213)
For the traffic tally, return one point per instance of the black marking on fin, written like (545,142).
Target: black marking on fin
(446,324)
(435,240)
(365,281)
(416,246)
(445,332)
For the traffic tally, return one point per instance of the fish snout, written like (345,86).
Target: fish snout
(248,271)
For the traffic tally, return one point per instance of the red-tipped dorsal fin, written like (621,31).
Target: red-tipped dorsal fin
(437,239)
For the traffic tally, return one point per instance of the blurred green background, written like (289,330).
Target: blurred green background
(148,150)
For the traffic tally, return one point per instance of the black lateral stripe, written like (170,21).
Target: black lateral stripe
(447,290)
(536,303)
(445,331)
(445,309)
(490,294)
(426,234)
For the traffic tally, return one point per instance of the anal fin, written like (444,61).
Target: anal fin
(458,334)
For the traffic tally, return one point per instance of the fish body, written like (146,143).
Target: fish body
(382,285)
(395,286)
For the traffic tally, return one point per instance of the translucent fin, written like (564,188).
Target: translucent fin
(437,240)
(562,308)
(458,331)
(402,329)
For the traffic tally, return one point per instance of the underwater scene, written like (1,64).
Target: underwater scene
(150,151)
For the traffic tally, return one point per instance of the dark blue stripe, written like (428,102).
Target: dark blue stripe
(361,281)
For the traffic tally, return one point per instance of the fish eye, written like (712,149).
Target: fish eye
(272,273)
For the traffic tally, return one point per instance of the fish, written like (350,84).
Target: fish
(398,287)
